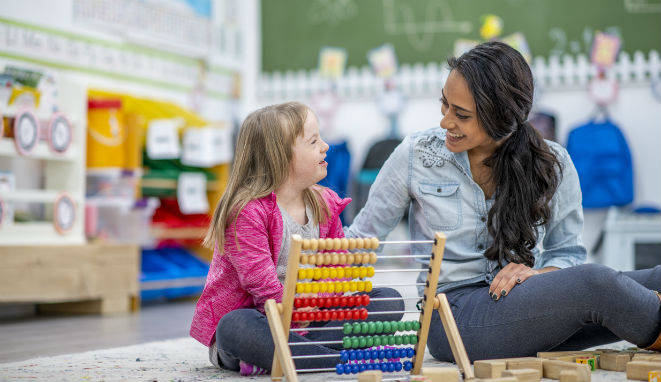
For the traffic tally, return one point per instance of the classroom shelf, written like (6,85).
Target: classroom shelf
(44,233)
(32,196)
(41,151)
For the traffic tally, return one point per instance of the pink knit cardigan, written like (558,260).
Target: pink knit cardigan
(246,277)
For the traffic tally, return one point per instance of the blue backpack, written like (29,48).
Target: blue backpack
(603,162)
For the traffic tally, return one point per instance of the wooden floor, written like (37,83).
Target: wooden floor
(39,336)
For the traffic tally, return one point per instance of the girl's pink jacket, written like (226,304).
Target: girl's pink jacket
(246,278)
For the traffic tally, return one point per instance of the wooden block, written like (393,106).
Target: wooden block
(501,379)
(552,354)
(639,370)
(552,369)
(568,376)
(370,376)
(523,375)
(441,374)
(590,361)
(614,361)
(489,369)
(647,357)
(566,358)
(525,363)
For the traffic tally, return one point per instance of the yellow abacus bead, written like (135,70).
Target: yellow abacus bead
(308,288)
(352,286)
(340,273)
(356,272)
(311,273)
(303,259)
(332,273)
(350,258)
(331,287)
(360,286)
(359,243)
(306,244)
(300,287)
(321,244)
(352,243)
(368,286)
(375,242)
(366,258)
(363,272)
(323,287)
(301,273)
(345,286)
(343,258)
(312,259)
(373,257)
(345,244)
(335,258)
(337,243)
(313,244)
(370,271)
(316,274)
(325,272)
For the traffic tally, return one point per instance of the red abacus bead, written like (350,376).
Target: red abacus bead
(333,315)
(326,315)
(328,302)
(313,302)
(363,314)
(343,301)
(352,301)
(356,314)
(366,299)
(319,316)
(297,303)
(336,301)
(295,316)
(340,315)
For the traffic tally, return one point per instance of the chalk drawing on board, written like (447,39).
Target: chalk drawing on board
(399,19)
(642,6)
(332,12)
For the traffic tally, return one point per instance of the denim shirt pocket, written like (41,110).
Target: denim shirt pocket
(441,204)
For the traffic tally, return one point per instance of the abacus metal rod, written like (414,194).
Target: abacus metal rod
(391,285)
(315,356)
(383,379)
(392,312)
(403,257)
(314,370)
(398,270)
(314,343)
(393,298)
(406,242)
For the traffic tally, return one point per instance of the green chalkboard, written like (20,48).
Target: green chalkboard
(293,31)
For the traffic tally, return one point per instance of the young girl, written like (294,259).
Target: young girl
(271,194)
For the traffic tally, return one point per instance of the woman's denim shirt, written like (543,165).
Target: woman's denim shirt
(437,187)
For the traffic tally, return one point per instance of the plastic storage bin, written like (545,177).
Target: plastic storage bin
(171,273)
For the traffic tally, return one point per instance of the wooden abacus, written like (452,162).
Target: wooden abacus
(280,315)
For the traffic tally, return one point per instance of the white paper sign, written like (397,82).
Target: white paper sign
(206,147)
(162,139)
(192,193)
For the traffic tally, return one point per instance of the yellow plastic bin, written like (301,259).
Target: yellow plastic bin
(106,133)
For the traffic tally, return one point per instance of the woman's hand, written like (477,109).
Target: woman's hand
(508,277)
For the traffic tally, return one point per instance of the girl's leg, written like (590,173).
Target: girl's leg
(244,334)
(547,310)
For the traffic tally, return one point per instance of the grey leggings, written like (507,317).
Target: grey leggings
(567,309)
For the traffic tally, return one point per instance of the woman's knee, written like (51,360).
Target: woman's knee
(597,276)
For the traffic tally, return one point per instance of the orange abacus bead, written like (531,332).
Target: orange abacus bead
(343,258)
(337,243)
(373,257)
(321,244)
(312,259)
(359,242)
(329,243)
(345,244)
(303,259)
(313,244)
(335,258)
(366,258)
(375,243)
(327,259)
(350,258)
(320,259)
(352,243)
(305,244)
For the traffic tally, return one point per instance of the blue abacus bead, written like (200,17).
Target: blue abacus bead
(398,366)
(408,365)
(361,367)
(397,353)
(339,369)
(382,354)
(410,352)
(383,366)
(354,369)
(374,354)
(344,356)
(391,367)
(360,354)
(388,354)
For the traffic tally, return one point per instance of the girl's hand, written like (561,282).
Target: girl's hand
(508,277)
(305,324)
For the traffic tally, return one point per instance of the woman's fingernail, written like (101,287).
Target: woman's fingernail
(494,297)
(503,293)
(518,281)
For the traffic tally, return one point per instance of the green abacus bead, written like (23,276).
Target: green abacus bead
(398,340)
(414,339)
(362,342)
(416,325)
(408,325)
(370,341)
(346,328)
(377,340)
(355,342)
(402,326)
(364,328)
(395,326)
(386,327)
(356,328)
(379,326)
(346,342)
(391,340)
(371,327)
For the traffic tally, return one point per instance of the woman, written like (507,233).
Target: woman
(510,205)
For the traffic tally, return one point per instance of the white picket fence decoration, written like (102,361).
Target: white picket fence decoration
(420,80)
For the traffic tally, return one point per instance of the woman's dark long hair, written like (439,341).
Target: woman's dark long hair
(523,168)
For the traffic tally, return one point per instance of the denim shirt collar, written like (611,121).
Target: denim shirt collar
(434,153)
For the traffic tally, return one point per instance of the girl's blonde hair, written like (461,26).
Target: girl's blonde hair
(262,162)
